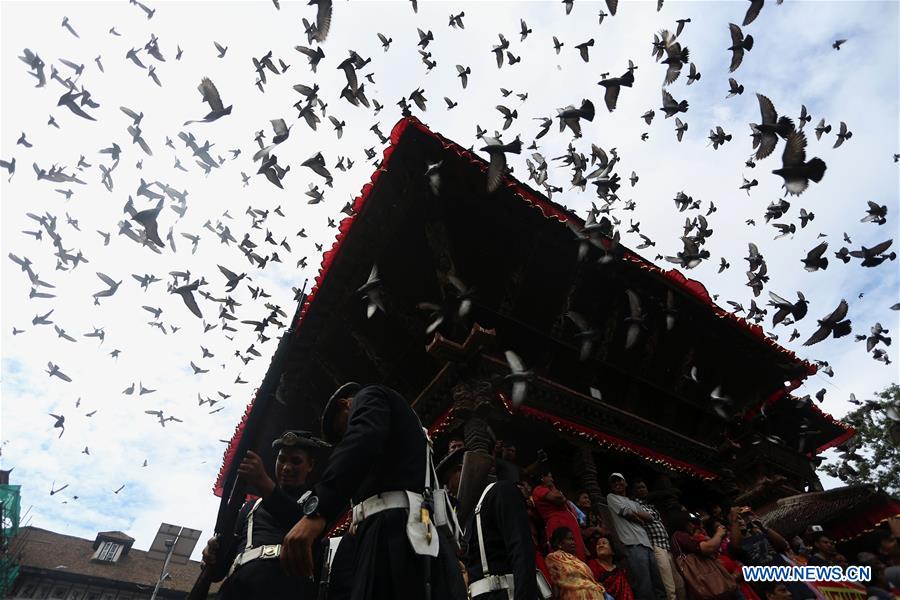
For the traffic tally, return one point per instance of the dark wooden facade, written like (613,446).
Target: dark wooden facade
(516,251)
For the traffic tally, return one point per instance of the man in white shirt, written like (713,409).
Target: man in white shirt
(628,518)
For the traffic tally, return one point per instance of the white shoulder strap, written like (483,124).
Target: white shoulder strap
(333,544)
(484,565)
(429,462)
(250,524)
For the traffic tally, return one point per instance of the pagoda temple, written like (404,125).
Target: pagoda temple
(628,367)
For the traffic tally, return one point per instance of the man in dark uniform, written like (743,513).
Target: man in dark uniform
(254,571)
(379,463)
(449,471)
(506,569)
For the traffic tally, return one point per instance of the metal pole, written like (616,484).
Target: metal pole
(165,568)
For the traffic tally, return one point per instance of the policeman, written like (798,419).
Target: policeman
(500,552)
(381,462)
(449,471)
(254,571)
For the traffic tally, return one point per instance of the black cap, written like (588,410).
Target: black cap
(452,461)
(297,438)
(348,390)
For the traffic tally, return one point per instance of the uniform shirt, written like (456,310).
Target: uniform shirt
(263,579)
(382,450)
(629,532)
(507,540)
(656,531)
(271,521)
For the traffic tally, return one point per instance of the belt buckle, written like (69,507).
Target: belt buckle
(269,551)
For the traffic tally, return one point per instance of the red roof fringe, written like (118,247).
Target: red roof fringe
(609,441)
(232,447)
(849,432)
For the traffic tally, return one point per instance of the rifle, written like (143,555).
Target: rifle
(230,504)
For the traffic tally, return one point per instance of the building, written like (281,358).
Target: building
(10,506)
(628,367)
(63,567)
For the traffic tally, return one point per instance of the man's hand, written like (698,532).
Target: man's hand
(296,548)
(209,553)
(253,472)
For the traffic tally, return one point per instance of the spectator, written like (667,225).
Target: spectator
(841,561)
(607,573)
(456,442)
(725,559)
(536,524)
(773,590)
(754,544)
(877,587)
(888,550)
(593,525)
(800,551)
(554,509)
(505,459)
(571,577)
(659,537)
(628,518)
(689,538)
(823,550)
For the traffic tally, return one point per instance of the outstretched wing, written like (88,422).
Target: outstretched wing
(794,150)
(210,94)
(323,20)
(106,279)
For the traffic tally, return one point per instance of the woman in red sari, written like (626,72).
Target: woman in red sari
(607,574)
(554,509)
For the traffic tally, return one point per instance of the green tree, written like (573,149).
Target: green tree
(876,458)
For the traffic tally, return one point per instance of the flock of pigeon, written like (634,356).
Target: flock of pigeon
(210,297)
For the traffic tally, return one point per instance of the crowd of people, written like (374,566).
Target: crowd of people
(526,538)
(575,551)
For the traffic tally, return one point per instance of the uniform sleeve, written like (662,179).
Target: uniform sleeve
(512,517)
(356,454)
(282,507)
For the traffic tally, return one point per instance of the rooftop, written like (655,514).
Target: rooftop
(46,552)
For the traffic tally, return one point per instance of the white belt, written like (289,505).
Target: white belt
(381,502)
(268,551)
(491,583)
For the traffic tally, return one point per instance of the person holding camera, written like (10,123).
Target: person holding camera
(754,544)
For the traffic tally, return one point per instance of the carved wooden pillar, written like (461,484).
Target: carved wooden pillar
(586,470)
(472,404)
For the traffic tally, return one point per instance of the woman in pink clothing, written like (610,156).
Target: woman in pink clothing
(554,509)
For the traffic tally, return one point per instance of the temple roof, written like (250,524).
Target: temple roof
(516,251)
(843,513)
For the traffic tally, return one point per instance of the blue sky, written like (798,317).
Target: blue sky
(792,63)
